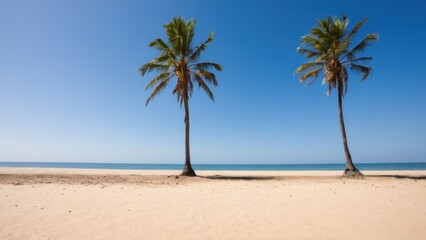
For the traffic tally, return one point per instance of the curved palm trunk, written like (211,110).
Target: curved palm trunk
(351,170)
(187,170)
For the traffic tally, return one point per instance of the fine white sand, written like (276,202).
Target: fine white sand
(116,204)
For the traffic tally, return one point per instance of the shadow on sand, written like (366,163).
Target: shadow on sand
(423,177)
(252,178)
(220,177)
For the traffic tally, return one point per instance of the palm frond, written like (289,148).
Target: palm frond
(311,75)
(165,76)
(203,85)
(160,45)
(206,66)
(209,76)
(354,30)
(330,78)
(361,59)
(164,58)
(314,43)
(324,24)
(157,90)
(181,93)
(152,66)
(343,77)
(190,87)
(308,52)
(307,66)
(189,36)
(196,54)
(361,69)
(362,45)
(174,32)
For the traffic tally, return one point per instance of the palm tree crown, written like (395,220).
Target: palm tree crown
(178,58)
(329,46)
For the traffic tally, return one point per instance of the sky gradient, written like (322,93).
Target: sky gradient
(70,90)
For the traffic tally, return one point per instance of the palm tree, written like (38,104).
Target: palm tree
(179,60)
(329,46)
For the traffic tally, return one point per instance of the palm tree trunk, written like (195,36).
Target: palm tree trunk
(187,170)
(351,170)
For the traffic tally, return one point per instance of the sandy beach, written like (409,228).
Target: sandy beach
(138,204)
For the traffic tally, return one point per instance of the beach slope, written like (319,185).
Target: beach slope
(110,204)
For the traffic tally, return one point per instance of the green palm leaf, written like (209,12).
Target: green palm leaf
(329,44)
(157,90)
(302,68)
(362,69)
(160,78)
(210,77)
(196,54)
(178,59)
(362,45)
(203,85)
(152,66)
(206,66)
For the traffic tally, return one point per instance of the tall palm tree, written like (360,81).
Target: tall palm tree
(179,60)
(329,47)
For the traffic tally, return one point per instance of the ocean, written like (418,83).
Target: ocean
(233,167)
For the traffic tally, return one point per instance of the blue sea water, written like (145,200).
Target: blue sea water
(245,167)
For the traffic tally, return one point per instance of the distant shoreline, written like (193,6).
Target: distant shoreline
(219,167)
(203,173)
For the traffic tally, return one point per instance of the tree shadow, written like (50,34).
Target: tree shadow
(423,177)
(247,178)
(251,178)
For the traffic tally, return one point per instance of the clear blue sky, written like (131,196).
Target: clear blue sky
(70,88)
